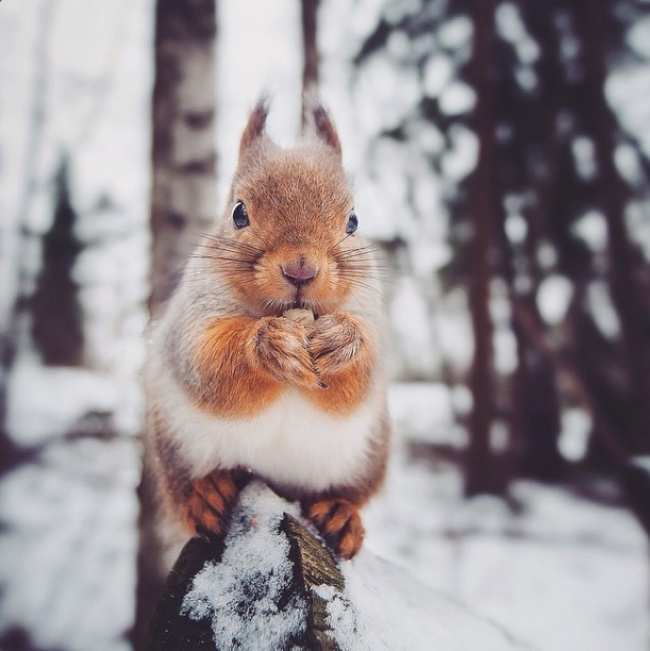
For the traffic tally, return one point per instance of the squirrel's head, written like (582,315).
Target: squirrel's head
(289,238)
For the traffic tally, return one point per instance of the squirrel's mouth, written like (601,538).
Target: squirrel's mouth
(302,303)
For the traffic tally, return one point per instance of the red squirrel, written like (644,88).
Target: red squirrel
(267,360)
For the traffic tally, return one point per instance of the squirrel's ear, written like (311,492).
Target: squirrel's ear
(323,125)
(255,127)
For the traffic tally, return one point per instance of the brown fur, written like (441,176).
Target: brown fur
(340,523)
(234,353)
(207,507)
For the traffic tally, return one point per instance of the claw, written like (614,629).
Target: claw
(340,523)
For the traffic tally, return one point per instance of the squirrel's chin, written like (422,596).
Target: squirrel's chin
(278,306)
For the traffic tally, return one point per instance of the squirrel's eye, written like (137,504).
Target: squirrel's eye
(239,215)
(353,223)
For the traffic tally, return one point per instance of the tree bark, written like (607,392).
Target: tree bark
(593,29)
(184,200)
(312,566)
(183,203)
(309,15)
(484,206)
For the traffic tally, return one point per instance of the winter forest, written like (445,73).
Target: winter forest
(500,158)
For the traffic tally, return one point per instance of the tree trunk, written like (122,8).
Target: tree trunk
(184,202)
(593,29)
(484,207)
(309,13)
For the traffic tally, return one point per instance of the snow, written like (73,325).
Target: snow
(423,412)
(561,573)
(553,298)
(591,228)
(69,532)
(243,594)
(256,53)
(457,98)
(456,32)
(413,334)
(638,37)
(584,155)
(564,573)
(391,610)
(41,404)
(381,607)
(574,433)
(599,302)
(438,72)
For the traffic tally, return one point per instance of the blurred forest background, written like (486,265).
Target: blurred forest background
(500,153)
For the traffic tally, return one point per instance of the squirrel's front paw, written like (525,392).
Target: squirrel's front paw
(281,348)
(208,506)
(339,522)
(334,342)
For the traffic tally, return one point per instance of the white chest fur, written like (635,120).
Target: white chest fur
(292,442)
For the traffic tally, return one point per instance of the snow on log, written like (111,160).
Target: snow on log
(273,584)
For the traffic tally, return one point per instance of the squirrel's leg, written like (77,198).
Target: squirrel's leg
(337,513)
(199,505)
(339,522)
(208,503)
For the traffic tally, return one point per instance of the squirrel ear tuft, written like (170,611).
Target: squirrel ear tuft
(255,127)
(323,125)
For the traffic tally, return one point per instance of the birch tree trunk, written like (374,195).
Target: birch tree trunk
(184,203)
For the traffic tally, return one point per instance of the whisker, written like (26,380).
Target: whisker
(340,242)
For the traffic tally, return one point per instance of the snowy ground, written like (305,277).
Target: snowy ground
(564,574)
(250,602)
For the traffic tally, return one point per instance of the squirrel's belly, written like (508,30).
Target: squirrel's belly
(291,442)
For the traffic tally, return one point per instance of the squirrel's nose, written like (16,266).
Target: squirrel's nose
(300,272)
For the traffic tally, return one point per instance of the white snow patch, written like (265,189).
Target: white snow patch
(392,610)
(602,309)
(413,335)
(457,98)
(255,570)
(69,546)
(423,412)
(553,298)
(566,573)
(44,403)
(574,435)
(591,228)
(456,32)
(438,72)
(638,36)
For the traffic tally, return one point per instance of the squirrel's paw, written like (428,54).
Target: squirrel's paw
(334,342)
(281,347)
(339,522)
(208,507)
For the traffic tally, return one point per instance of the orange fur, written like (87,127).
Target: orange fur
(340,523)
(298,202)
(207,507)
(298,209)
(343,355)
(244,363)
(233,384)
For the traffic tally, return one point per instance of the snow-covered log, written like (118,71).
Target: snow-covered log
(272,584)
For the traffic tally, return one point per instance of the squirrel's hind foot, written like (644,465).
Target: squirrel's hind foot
(207,509)
(339,522)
